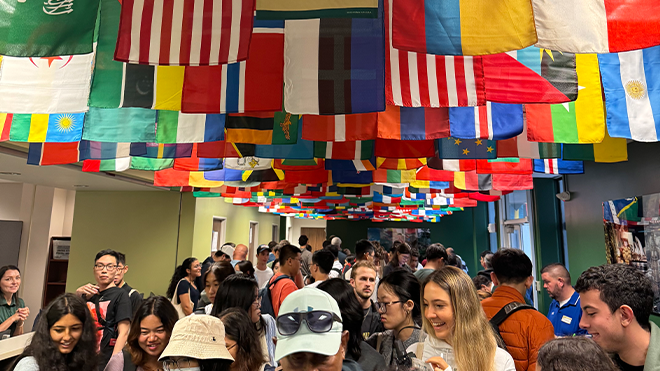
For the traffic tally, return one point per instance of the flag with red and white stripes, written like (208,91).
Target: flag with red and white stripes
(426,80)
(184,32)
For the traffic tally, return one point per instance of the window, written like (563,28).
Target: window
(275,235)
(219,233)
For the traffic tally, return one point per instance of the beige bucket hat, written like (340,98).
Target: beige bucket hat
(198,337)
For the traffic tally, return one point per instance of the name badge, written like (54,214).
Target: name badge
(566,319)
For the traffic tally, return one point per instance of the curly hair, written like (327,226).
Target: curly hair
(83,357)
(179,273)
(160,307)
(239,328)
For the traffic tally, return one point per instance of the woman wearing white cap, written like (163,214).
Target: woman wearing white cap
(197,344)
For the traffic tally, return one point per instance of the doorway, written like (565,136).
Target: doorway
(254,240)
(218,234)
(315,237)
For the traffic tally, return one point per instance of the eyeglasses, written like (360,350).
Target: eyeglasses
(178,364)
(318,321)
(109,267)
(382,307)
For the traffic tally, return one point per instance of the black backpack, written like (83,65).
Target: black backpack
(502,315)
(266,299)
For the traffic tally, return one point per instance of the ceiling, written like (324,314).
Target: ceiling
(13,159)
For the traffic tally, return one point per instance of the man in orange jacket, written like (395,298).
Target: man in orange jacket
(524,331)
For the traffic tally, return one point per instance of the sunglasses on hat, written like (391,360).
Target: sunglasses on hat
(317,321)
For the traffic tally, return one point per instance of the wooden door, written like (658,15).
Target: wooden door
(315,237)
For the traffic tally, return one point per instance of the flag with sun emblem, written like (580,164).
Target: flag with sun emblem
(41,128)
(631,81)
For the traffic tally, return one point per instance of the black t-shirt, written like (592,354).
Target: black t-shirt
(114,307)
(184,286)
(371,323)
(136,297)
(626,367)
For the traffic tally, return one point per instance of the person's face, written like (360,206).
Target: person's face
(121,271)
(483,264)
(438,310)
(224,258)
(276,267)
(603,325)
(153,338)
(195,269)
(211,286)
(552,284)
(403,259)
(184,362)
(255,309)
(216,258)
(369,256)
(394,315)
(263,256)
(414,260)
(232,347)
(66,332)
(277,254)
(105,270)
(295,263)
(305,361)
(10,282)
(364,282)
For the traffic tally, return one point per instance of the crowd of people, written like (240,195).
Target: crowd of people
(333,309)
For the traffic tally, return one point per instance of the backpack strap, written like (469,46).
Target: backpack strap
(99,318)
(379,341)
(508,310)
(419,352)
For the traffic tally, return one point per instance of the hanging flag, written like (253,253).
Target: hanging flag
(117,165)
(43,154)
(286,9)
(160,150)
(557,166)
(176,178)
(266,128)
(392,148)
(47,28)
(294,165)
(505,166)
(451,165)
(597,26)
(5,126)
(352,178)
(521,147)
(184,33)
(340,128)
(472,181)
(394,176)
(609,150)
(267,175)
(91,150)
(455,148)
(177,127)
(357,150)
(582,121)
(45,85)
(248,86)
(248,163)
(456,27)
(426,80)
(152,164)
(492,121)
(400,163)
(302,149)
(632,93)
(531,75)
(512,182)
(350,165)
(63,127)
(120,125)
(195,163)
(334,66)
(408,123)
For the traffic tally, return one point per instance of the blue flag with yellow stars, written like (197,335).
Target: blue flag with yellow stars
(455,148)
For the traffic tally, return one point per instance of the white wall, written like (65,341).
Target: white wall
(10,201)
(296,224)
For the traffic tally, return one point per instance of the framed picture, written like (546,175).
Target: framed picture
(61,248)
(419,238)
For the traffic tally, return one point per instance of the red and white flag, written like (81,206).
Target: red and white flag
(427,80)
(184,32)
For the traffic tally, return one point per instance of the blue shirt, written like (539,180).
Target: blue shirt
(566,320)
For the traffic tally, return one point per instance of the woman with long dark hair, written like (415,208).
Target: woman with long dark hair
(246,268)
(400,255)
(212,279)
(182,289)
(241,292)
(64,339)
(352,315)
(242,341)
(12,308)
(150,333)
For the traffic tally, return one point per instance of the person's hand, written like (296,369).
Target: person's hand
(87,290)
(438,363)
(23,313)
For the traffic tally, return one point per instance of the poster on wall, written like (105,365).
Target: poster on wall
(419,238)
(632,236)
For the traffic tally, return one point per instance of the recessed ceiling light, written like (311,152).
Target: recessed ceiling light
(9,173)
(80,186)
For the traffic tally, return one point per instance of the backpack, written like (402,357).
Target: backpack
(266,299)
(502,315)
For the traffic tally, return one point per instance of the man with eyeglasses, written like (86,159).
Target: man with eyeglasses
(133,294)
(109,305)
(310,334)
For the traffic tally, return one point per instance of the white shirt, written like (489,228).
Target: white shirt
(316,283)
(333,273)
(503,360)
(263,276)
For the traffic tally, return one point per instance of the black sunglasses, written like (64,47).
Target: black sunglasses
(318,321)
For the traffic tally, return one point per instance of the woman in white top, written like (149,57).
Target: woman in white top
(455,321)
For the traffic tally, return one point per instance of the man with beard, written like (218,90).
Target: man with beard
(565,312)
(363,280)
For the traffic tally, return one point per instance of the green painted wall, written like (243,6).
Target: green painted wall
(466,231)
(238,224)
(143,225)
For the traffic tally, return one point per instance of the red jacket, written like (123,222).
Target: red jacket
(524,332)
